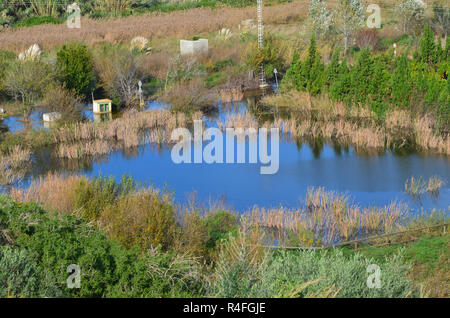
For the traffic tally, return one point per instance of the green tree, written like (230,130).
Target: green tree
(311,76)
(401,82)
(427,51)
(362,74)
(379,88)
(340,89)
(75,64)
(333,69)
(349,17)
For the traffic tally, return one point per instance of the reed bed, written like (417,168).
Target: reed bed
(327,218)
(52,191)
(341,131)
(419,186)
(321,118)
(14,165)
(131,130)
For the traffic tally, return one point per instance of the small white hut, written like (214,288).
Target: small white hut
(102,106)
(49,117)
(193,47)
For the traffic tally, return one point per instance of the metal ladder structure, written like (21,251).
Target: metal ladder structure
(262,75)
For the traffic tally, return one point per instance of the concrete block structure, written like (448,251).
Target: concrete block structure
(194,47)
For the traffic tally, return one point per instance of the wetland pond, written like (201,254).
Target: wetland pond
(368,180)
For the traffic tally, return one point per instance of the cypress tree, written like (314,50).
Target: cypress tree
(292,75)
(332,71)
(341,87)
(401,85)
(427,46)
(362,74)
(379,89)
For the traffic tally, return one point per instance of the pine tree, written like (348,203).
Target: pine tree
(292,75)
(340,89)
(361,76)
(379,89)
(400,83)
(427,47)
(332,71)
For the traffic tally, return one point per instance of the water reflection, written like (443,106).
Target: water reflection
(370,179)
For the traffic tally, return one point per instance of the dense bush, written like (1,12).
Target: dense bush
(307,274)
(144,218)
(76,66)
(47,244)
(20,275)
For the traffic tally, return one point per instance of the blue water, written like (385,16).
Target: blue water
(375,180)
(369,181)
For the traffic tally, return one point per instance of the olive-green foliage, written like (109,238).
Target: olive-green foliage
(285,272)
(347,274)
(107,269)
(401,83)
(427,52)
(156,275)
(144,218)
(271,55)
(76,66)
(27,81)
(219,225)
(20,275)
(5,58)
(91,197)
(362,77)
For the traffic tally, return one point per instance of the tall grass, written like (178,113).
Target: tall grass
(327,218)
(418,186)
(153,26)
(14,164)
(131,130)
(318,117)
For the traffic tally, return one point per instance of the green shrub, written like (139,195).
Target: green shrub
(144,218)
(94,195)
(347,274)
(33,21)
(219,225)
(156,275)
(75,63)
(20,276)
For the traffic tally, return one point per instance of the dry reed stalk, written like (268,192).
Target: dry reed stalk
(329,217)
(14,165)
(179,24)
(53,191)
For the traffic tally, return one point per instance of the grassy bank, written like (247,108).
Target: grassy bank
(135,242)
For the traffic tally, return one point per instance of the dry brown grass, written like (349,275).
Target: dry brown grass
(153,26)
(53,191)
(320,117)
(14,165)
(131,130)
